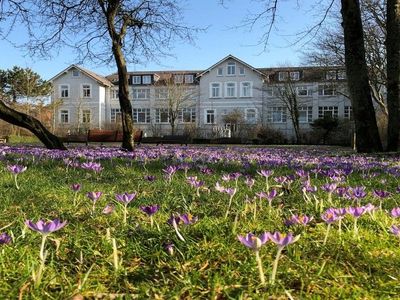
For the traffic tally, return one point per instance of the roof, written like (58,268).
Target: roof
(230,56)
(100,79)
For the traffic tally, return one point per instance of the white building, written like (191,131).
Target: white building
(206,102)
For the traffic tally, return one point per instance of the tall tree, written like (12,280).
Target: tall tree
(393,72)
(123,31)
(367,139)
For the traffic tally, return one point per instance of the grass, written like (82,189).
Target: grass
(211,263)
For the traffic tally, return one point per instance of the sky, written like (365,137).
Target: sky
(224,35)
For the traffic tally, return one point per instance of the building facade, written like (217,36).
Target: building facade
(227,99)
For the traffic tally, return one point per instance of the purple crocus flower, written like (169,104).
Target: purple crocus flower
(194,182)
(206,171)
(265,173)
(76,187)
(230,191)
(170,171)
(16,169)
(329,187)
(188,219)
(169,248)
(109,209)
(298,220)
(254,242)
(150,209)
(261,195)
(395,230)
(219,187)
(356,211)
(395,212)
(94,196)
(5,238)
(150,178)
(329,216)
(125,198)
(92,166)
(283,240)
(381,194)
(45,228)
(359,192)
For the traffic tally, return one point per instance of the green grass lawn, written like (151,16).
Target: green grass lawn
(98,256)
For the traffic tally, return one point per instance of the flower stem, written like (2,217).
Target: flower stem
(151,221)
(229,206)
(115,254)
(327,233)
(177,231)
(255,210)
(125,213)
(260,268)
(275,266)
(42,255)
(355,232)
(16,182)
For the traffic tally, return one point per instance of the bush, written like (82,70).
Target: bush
(269,135)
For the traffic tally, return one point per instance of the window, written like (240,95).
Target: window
(302,91)
(146,79)
(341,74)
(189,78)
(241,70)
(161,93)
(251,115)
(86,91)
(75,73)
(269,92)
(329,111)
(215,90)
(64,91)
(276,115)
(141,94)
(326,90)
(220,71)
(348,113)
(86,116)
(178,78)
(162,115)
(136,80)
(115,115)
(294,75)
(231,70)
(187,115)
(330,75)
(209,117)
(283,76)
(141,115)
(114,94)
(64,116)
(305,114)
(230,89)
(245,89)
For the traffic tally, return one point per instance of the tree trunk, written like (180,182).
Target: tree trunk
(124,102)
(357,77)
(33,125)
(393,72)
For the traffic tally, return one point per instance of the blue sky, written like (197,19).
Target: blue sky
(220,39)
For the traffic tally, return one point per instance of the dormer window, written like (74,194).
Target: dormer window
(189,78)
(241,71)
(294,75)
(76,73)
(146,79)
(136,80)
(178,78)
(231,69)
(283,76)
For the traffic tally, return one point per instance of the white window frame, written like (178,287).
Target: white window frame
(212,89)
(84,113)
(139,91)
(61,91)
(250,89)
(209,112)
(234,89)
(348,112)
(324,87)
(137,111)
(161,93)
(283,76)
(136,79)
(146,79)
(231,69)
(220,71)
(76,73)
(114,94)
(246,114)
(189,78)
(322,110)
(303,88)
(242,71)
(83,85)
(114,113)
(308,114)
(294,75)
(187,110)
(269,92)
(159,113)
(62,113)
(178,78)
(272,112)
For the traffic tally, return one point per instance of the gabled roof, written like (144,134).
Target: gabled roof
(230,56)
(100,79)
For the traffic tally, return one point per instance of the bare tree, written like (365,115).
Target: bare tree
(132,30)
